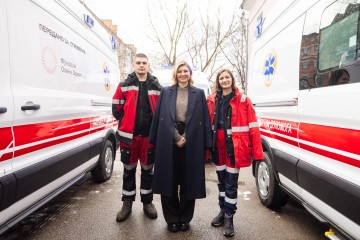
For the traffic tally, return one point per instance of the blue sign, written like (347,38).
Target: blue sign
(259,25)
(113,43)
(89,21)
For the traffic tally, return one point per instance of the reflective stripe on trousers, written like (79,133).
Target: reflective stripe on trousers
(129,183)
(228,186)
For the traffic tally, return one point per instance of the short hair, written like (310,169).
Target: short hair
(218,88)
(140,55)
(180,64)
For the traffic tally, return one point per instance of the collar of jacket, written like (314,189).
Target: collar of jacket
(132,79)
(175,86)
(214,95)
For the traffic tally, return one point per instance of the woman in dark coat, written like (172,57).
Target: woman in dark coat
(181,132)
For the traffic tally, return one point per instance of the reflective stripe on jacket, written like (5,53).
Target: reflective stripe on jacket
(244,129)
(125,100)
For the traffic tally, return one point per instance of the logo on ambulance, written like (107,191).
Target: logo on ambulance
(48,59)
(270,67)
(106,77)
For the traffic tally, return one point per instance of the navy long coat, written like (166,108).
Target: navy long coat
(198,138)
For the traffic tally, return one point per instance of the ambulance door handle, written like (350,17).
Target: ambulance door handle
(30,107)
(3,109)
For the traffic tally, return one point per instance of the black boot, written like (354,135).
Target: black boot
(150,210)
(125,211)
(228,225)
(219,219)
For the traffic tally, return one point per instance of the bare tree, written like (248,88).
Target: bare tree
(205,47)
(203,37)
(235,52)
(174,23)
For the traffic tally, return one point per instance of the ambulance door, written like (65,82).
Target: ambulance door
(51,107)
(329,103)
(274,91)
(6,98)
(7,181)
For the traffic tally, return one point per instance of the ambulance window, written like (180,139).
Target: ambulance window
(338,36)
(331,41)
(310,46)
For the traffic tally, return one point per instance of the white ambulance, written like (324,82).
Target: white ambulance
(59,71)
(304,81)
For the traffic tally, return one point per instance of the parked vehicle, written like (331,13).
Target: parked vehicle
(310,126)
(59,71)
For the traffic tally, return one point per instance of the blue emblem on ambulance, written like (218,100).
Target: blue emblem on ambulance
(269,68)
(106,71)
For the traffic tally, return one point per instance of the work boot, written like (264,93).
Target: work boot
(150,210)
(219,219)
(125,211)
(228,225)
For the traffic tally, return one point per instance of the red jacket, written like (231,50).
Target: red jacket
(244,129)
(125,101)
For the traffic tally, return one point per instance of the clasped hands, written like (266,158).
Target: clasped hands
(181,142)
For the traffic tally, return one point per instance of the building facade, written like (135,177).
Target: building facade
(125,51)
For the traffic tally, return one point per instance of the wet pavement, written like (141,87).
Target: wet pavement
(87,210)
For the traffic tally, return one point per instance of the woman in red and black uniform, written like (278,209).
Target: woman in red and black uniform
(236,139)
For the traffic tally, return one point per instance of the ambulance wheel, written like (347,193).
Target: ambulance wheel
(103,171)
(267,185)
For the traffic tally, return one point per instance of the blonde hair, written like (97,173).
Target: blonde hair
(180,64)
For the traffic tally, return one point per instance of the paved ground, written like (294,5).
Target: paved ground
(88,210)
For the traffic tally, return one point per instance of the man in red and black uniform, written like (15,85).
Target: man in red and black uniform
(133,106)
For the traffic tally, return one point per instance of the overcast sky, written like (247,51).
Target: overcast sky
(131,18)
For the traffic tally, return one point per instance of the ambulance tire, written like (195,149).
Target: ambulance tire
(269,192)
(103,171)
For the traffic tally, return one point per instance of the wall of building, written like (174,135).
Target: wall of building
(125,51)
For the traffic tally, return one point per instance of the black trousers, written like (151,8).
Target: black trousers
(178,208)
(129,183)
